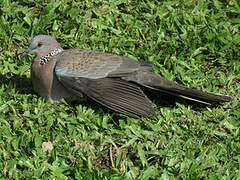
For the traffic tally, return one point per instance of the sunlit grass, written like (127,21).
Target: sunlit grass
(195,43)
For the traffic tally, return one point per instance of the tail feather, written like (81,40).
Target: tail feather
(152,81)
(193,94)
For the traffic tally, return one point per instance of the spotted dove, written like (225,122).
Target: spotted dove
(114,81)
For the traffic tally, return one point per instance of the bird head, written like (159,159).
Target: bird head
(40,45)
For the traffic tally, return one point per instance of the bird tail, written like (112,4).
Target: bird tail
(152,81)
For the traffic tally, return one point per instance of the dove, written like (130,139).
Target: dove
(114,81)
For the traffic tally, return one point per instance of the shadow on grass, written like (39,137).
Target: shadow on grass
(21,83)
(165,100)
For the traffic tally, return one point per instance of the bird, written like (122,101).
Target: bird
(116,82)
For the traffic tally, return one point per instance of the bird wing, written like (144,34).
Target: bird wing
(95,65)
(98,75)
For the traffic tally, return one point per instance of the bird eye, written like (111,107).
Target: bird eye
(39,44)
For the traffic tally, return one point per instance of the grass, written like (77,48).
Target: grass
(195,43)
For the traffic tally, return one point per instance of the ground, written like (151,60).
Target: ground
(193,42)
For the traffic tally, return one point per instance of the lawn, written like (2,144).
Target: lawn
(193,42)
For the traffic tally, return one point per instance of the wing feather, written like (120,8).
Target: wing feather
(95,65)
(114,93)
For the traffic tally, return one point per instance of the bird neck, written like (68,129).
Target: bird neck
(46,58)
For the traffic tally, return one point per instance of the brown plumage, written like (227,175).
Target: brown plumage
(114,81)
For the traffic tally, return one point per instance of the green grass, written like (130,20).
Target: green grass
(193,42)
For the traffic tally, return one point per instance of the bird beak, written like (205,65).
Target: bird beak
(25,54)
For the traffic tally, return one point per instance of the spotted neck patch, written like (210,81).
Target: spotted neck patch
(46,58)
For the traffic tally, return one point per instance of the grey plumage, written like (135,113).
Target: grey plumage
(114,81)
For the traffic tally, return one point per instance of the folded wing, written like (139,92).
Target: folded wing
(98,75)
